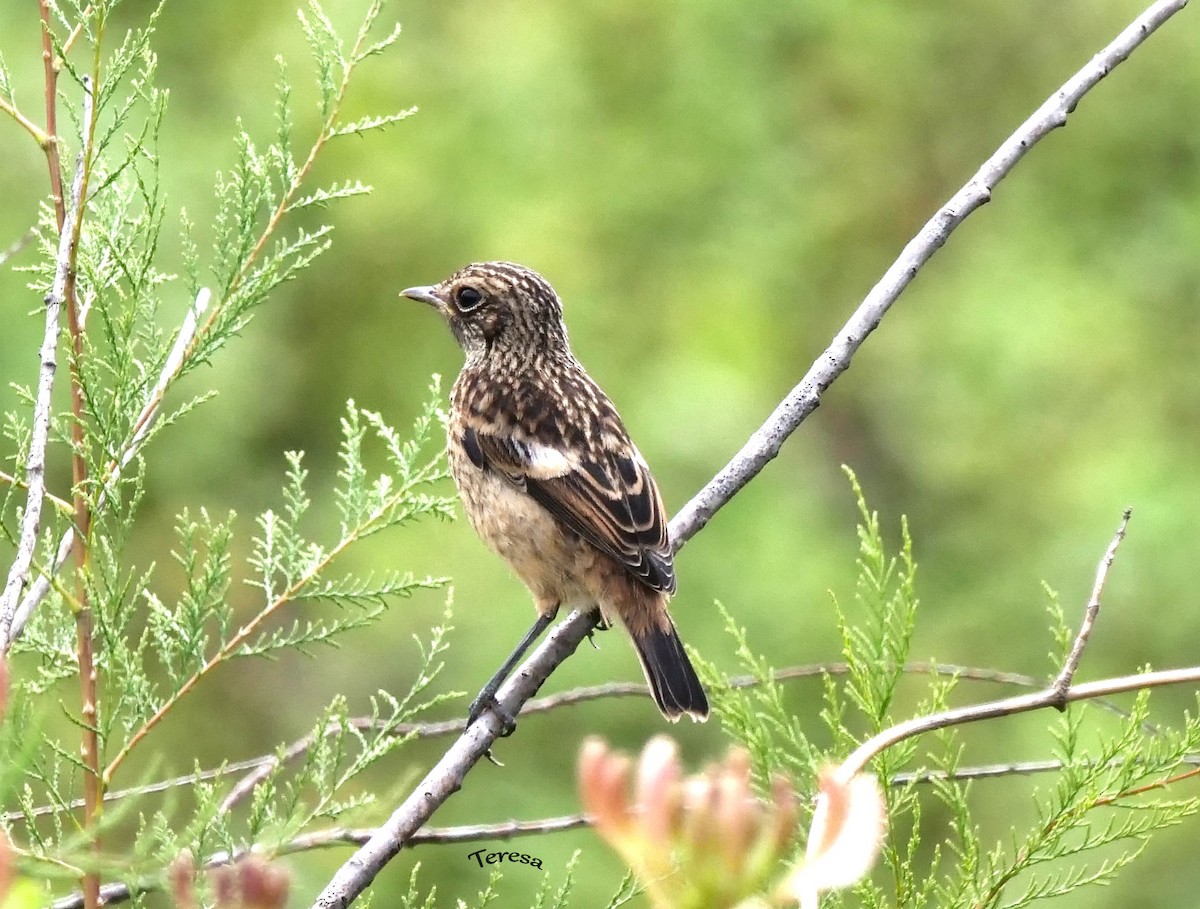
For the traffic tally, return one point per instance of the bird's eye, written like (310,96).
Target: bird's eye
(467,298)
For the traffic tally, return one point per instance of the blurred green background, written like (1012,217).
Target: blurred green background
(712,186)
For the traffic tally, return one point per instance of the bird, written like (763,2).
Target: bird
(550,480)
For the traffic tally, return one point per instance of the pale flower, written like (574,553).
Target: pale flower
(846,834)
(707,841)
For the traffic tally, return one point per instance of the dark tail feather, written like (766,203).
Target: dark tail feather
(673,681)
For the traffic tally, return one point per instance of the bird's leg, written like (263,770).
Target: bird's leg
(487,696)
(600,624)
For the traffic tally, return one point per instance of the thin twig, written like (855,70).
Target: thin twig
(1063,683)
(351,836)
(261,767)
(467,833)
(17,245)
(51,65)
(26,124)
(1010,707)
(264,766)
(35,465)
(145,421)
(1148,787)
(65,508)
(789,673)
(1021,768)
(1058,694)
(140,426)
(115,795)
(446,776)
(93,787)
(77,30)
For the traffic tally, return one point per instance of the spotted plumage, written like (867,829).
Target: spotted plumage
(548,475)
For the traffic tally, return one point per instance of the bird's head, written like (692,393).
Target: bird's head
(499,307)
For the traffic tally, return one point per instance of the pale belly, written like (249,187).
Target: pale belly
(549,559)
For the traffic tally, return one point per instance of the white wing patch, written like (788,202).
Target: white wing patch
(545,463)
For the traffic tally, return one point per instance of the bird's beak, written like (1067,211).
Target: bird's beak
(424,295)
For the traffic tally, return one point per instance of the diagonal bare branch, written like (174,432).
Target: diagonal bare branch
(257,769)
(17,245)
(1057,694)
(1022,703)
(446,776)
(1062,684)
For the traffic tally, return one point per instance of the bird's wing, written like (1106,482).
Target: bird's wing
(606,496)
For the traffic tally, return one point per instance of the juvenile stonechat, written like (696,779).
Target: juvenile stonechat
(550,479)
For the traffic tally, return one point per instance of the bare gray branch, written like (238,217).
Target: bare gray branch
(1063,683)
(41,586)
(446,777)
(35,465)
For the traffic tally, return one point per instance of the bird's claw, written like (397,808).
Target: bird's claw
(601,625)
(487,701)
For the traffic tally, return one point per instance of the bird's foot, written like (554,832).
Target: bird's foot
(485,701)
(602,624)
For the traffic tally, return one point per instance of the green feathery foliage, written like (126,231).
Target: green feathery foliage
(1092,818)
(627,891)
(155,642)
(283,588)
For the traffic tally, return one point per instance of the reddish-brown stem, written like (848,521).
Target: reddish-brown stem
(52,158)
(155,399)
(244,633)
(272,222)
(1149,787)
(90,751)
(1023,855)
(93,790)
